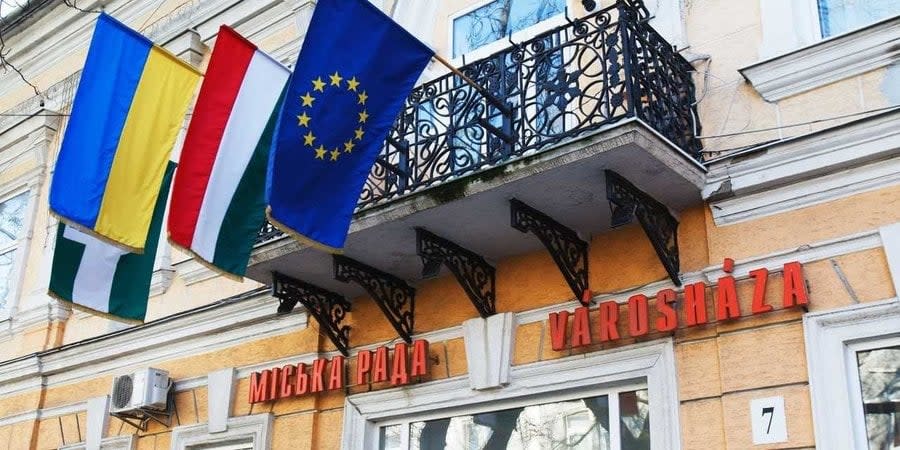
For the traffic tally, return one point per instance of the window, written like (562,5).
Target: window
(840,16)
(618,399)
(853,355)
(879,379)
(591,423)
(227,446)
(12,227)
(497,19)
(242,433)
(111,443)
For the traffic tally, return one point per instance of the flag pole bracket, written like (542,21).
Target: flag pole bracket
(569,252)
(472,271)
(395,297)
(628,202)
(328,308)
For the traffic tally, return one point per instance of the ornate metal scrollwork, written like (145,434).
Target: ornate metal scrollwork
(328,308)
(568,250)
(474,274)
(661,228)
(557,87)
(395,297)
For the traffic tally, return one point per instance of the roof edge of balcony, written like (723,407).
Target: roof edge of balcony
(629,132)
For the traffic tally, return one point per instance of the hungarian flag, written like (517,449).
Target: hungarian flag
(218,202)
(102,278)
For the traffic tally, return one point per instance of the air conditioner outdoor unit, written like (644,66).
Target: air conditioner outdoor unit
(144,390)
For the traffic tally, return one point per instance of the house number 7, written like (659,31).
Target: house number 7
(770,410)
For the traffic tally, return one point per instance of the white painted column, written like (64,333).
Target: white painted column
(890,238)
(489,346)
(419,17)
(97,421)
(787,25)
(220,389)
(668,20)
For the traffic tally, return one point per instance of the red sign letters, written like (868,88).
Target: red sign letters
(694,306)
(381,365)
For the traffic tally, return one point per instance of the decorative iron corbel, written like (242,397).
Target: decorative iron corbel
(568,250)
(661,228)
(395,297)
(328,308)
(474,274)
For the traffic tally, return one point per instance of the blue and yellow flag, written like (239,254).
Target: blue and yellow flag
(128,110)
(354,72)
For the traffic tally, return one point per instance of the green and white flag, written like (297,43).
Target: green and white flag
(102,278)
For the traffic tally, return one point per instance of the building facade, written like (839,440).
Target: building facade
(664,225)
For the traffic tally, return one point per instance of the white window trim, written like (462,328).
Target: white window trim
(257,427)
(110,443)
(653,362)
(502,43)
(21,246)
(832,340)
(805,61)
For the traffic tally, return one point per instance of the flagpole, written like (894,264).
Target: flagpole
(500,105)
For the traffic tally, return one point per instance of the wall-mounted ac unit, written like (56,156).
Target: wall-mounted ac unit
(144,390)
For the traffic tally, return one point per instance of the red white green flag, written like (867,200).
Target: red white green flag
(218,202)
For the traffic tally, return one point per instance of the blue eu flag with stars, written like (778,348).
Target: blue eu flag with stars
(354,72)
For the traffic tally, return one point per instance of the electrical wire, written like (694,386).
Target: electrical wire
(800,124)
(147,20)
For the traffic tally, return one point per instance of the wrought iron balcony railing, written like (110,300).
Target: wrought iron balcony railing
(556,87)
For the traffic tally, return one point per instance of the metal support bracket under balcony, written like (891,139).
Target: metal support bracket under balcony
(568,250)
(328,308)
(628,202)
(395,297)
(472,271)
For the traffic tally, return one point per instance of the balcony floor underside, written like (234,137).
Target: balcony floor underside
(566,183)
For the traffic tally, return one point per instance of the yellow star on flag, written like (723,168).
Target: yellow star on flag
(303,120)
(335,79)
(359,133)
(352,84)
(348,146)
(320,152)
(318,85)
(309,138)
(362,97)
(363,116)
(307,99)
(334,154)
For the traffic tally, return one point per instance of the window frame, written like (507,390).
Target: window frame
(126,442)
(612,392)
(816,16)
(18,247)
(502,43)
(858,414)
(256,428)
(832,339)
(649,365)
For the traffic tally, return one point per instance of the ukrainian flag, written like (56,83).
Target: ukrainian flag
(127,113)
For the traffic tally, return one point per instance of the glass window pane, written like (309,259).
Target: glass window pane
(577,424)
(634,421)
(498,19)
(6,275)
(879,377)
(840,16)
(389,437)
(12,218)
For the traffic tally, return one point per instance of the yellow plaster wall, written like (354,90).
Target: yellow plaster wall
(854,214)
(730,104)
(718,365)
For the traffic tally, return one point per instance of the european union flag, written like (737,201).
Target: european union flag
(354,72)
